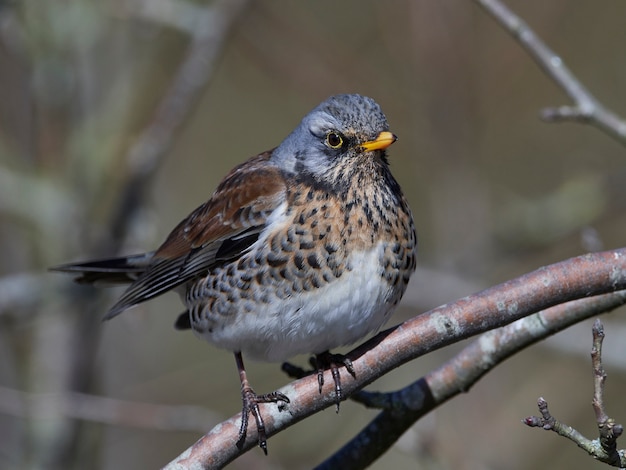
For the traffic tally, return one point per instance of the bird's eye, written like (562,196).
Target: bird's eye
(334,140)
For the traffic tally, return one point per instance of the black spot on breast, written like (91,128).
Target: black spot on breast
(330,249)
(286,245)
(275,261)
(313,261)
(298,260)
(260,278)
(275,244)
(316,282)
(291,236)
(306,244)
(286,274)
(368,211)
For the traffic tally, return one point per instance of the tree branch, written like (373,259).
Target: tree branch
(576,278)
(404,407)
(586,109)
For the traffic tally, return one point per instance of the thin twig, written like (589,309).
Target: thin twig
(608,430)
(550,423)
(586,109)
(599,375)
(593,447)
(604,448)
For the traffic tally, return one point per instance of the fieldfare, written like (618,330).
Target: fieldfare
(300,249)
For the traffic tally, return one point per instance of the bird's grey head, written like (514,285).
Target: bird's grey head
(343,126)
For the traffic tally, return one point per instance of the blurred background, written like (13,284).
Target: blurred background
(119,117)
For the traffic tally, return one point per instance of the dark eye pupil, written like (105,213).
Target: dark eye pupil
(334,140)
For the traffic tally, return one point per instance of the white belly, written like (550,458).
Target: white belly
(336,314)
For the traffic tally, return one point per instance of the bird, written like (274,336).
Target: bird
(299,250)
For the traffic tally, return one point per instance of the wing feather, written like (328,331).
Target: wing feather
(219,230)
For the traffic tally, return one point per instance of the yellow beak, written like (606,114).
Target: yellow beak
(384,140)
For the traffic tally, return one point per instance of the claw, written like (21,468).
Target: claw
(251,406)
(326,360)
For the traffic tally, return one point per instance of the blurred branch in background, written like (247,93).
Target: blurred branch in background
(105,410)
(208,28)
(20,293)
(587,109)
(58,444)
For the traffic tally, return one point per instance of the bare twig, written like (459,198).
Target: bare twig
(580,277)
(609,431)
(599,375)
(550,423)
(592,447)
(604,448)
(586,109)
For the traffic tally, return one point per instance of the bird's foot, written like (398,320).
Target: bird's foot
(327,360)
(251,406)
(320,363)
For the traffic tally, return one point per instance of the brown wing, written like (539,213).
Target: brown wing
(221,229)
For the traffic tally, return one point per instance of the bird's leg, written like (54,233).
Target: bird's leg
(326,360)
(251,405)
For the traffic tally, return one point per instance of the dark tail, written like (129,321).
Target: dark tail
(124,270)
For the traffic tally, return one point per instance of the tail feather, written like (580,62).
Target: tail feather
(148,277)
(123,270)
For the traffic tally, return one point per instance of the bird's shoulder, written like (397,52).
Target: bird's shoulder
(243,199)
